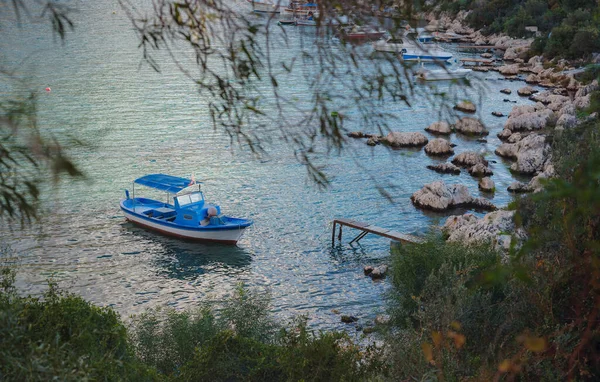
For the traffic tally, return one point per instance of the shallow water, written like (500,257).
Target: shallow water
(136,121)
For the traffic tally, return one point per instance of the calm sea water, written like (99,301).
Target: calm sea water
(135,121)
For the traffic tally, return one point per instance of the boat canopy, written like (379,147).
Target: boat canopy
(168,183)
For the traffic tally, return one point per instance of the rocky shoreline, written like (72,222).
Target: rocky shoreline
(524,134)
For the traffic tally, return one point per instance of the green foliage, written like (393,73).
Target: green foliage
(241,343)
(533,316)
(569,29)
(415,266)
(62,336)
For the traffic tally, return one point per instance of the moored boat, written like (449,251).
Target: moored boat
(443,74)
(358,33)
(411,51)
(187,217)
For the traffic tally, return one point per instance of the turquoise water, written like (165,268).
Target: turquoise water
(135,121)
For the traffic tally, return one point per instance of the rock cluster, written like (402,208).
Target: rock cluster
(438,196)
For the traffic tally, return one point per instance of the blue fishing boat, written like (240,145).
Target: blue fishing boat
(185,214)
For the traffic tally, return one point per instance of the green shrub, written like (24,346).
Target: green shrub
(64,337)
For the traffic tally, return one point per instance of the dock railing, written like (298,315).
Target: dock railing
(367,228)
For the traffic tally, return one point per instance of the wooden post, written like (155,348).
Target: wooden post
(333,234)
(340,235)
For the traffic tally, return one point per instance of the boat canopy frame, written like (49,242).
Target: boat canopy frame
(168,183)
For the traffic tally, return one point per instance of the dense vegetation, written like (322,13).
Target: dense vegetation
(569,29)
(533,313)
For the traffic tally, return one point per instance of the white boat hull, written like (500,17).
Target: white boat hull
(441,74)
(412,52)
(229,236)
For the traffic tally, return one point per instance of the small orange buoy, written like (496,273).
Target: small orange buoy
(48,89)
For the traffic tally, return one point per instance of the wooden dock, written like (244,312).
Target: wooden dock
(367,228)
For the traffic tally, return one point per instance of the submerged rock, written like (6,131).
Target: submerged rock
(379,272)
(356,134)
(439,146)
(382,319)
(445,168)
(438,196)
(348,319)
(497,114)
(404,139)
(506,91)
(442,128)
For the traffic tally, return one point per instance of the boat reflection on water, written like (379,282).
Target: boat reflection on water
(187,260)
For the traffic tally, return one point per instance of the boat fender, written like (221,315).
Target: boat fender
(127,194)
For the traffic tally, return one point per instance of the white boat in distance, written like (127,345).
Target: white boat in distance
(443,74)
(411,51)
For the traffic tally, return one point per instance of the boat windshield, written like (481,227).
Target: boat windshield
(184,200)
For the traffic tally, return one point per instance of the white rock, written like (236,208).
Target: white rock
(532,154)
(492,228)
(566,121)
(438,196)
